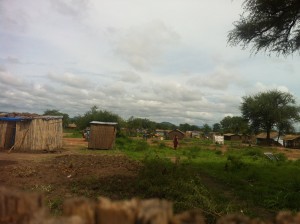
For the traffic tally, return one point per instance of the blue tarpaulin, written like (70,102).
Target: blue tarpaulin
(13,119)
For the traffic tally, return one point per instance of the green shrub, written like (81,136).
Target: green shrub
(235,162)
(140,145)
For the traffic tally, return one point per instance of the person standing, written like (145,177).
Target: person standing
(175,142)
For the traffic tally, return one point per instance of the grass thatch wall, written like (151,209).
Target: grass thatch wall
(102,136)
(3,126)
(39,134)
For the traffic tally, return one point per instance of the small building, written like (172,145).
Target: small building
(261,139)
(291,141)
(218,139)
(31,132)
(232,137)
(176,132)
(160,133)
(72,126)
(102,135)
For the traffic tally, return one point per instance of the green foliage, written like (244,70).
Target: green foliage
(270,109)
(66,118)
(55,205)
(217,127)
(94,114)
(234,162)
(206,129)
(140,145)
(177,182)
(268,25)
(235,124)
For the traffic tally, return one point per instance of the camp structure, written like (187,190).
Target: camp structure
(291,141)
(176,132)
(102,135)
(232,137)
(31,132)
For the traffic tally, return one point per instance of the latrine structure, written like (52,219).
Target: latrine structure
(26,133)
(102,135)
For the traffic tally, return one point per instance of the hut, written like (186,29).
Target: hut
(261,139)
(291,141)
(35,132)
(180,134)
(232,137)
(102,135)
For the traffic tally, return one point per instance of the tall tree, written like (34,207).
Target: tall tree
(217,127)
(270,25)
(206,129)
(235,124)
(271,109)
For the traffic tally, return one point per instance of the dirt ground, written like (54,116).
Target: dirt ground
(51,173)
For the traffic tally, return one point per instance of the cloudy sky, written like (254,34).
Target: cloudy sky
(165,60)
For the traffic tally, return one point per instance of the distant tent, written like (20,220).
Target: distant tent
(102,135)
(31,132)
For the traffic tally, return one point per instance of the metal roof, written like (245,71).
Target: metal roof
(103,123)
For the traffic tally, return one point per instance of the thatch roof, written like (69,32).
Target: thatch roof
(25,116)
(231,134)
(263,135)
(290,137)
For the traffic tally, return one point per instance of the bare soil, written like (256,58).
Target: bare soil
(52,173)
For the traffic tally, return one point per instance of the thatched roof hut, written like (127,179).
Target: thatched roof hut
(232,137)
(31,132)
(102,135)
(291,141)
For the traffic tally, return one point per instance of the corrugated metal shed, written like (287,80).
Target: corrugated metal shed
(102,135)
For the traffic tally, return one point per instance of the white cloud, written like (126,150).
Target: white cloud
(69,79)
(143,46)
(163,60)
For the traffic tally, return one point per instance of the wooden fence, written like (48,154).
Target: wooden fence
(28,208)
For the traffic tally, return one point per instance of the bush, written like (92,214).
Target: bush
(235,162)
(140,145)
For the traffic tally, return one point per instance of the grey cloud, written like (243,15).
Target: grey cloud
(130,77)
(12,60)
(69,79)
(73,8)
(143,46)
(12,16)
(219,80)
(9,79)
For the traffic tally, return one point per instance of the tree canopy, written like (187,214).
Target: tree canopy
(65,120)
(94,114)
(270,25)
(271,109)
(235,124)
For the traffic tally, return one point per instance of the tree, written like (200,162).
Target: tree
(133,124)
(206,129)
(65,119)
(271,109)
(94,114)
(217,127)
(235,124)
(271,25)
